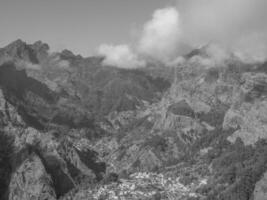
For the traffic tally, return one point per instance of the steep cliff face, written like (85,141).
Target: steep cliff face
(26,108)
(260,192)
(31,181)
(48,106)
(44,155)
(80,130)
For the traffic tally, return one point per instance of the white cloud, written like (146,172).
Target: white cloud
(252,48)
(161,35)
(28,65)
(237,25)
(159,40)
(63,64)
(57,61)
(121,56)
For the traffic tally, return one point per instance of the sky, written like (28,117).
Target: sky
(78,25)
(131,33)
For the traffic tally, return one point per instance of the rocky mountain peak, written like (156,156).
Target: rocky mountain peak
(40,46)
(19,50)
(15,44)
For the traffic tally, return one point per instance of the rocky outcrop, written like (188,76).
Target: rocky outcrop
(181,108)
(248,114)
(19,50)
(58,161)
(31,181)
(260,191)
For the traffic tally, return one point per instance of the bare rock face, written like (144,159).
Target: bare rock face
(19,50)
(31,181)
(260,191)
(8,112)
(61,160)
(249,113)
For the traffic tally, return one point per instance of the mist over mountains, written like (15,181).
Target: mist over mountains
(234,26)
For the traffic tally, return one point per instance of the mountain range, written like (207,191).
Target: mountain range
(74,128)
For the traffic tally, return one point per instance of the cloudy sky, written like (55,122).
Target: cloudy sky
(131,32)
(80,25)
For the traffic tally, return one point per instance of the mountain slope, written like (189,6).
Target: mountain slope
(81,130)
